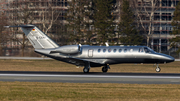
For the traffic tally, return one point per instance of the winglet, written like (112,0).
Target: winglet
(23,26)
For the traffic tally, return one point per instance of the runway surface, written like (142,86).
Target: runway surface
(93,77)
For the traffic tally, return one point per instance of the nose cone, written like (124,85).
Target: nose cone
(165,58)
(170,59)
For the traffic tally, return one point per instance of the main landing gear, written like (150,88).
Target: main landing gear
(158,69)
(86,68)
(105,68)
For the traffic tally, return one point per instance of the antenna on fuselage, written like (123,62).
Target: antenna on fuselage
(107,45)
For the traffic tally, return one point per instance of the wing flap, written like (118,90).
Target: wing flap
(83,61)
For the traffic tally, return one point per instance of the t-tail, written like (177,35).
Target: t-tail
(38,39)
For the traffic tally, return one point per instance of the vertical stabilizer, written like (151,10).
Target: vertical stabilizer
(38,39)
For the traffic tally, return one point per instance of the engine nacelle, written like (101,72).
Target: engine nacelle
(69,49)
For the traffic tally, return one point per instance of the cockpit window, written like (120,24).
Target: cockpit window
(148,50)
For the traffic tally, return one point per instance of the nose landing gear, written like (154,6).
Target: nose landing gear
(158,69)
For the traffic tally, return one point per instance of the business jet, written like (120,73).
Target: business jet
(92,56)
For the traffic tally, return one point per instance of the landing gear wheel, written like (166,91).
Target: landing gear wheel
(86,70)
(158,69)
(86,67)
(104,69)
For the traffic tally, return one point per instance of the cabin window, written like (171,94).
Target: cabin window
(104,50)
(125,50)
(109,50)
(99,50)
(114,50)
(120,50)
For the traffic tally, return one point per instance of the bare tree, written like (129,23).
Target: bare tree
(76,20)
(21,13)
(144,11)
(50,15)
(3,32)
(3,22)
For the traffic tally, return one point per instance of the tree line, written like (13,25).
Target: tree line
(95,18)
(130,30)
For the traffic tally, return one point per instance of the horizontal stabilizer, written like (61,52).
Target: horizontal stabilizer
(24,26)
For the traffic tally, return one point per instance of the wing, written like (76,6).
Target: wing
(82,62)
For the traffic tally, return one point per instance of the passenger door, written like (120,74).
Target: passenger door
(90,53)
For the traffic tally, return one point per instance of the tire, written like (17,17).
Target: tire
(86,70)
(158,69)
(104,69)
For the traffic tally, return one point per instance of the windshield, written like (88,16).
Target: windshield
(148,50)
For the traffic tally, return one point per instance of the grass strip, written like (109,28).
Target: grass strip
(38,91)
